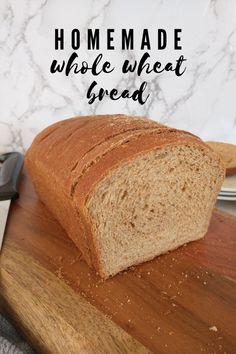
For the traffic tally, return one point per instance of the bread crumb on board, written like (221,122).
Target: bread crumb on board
(213,328)
(58,272)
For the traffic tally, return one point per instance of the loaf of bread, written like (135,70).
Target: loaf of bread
(227,153)
(125,189)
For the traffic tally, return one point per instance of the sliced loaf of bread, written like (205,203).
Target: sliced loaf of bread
(125,189)
(227,153)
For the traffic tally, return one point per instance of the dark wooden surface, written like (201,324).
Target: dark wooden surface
(182,302)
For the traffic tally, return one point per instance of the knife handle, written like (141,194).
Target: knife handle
(11,165)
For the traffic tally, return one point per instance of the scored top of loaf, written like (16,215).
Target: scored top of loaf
(80,141)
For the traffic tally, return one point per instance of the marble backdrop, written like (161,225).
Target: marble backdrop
(202,101)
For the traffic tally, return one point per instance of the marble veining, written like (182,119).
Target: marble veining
(202,101)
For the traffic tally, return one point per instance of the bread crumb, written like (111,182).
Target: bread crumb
(129,320)
(171,333)
(128,301)
(213,328)
(108,316)
(58,272)
(173,304)
(204,282)
(167,312)
(186,275)
(148,273)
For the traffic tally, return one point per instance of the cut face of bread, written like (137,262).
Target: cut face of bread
(151,204)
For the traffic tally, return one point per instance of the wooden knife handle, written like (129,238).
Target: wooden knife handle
(12,164)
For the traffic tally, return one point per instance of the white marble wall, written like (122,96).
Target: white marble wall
(202,101)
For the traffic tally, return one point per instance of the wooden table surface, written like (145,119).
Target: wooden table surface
(183,302)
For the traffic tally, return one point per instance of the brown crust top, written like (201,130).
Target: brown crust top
(72,139)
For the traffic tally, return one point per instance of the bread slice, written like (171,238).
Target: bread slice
(125,189)
(228,155)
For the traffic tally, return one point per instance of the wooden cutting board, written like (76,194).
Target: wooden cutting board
(182,303)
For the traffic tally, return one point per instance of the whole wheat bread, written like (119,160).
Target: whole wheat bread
(227,153)
(125,189)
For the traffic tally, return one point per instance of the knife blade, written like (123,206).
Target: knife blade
(4,207)
(11,165)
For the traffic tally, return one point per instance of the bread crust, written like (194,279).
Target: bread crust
(76,154)
(230,171)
